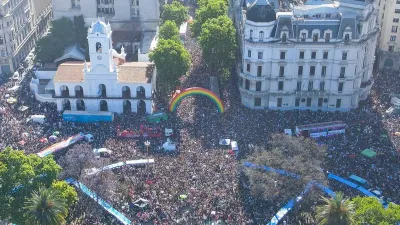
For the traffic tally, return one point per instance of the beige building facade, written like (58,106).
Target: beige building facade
(147,12)
(389,41)
(22,23)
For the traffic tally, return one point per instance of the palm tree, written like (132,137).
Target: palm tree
(46,207)
(336,211)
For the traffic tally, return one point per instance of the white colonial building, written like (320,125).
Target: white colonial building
(316,56)
(106,83)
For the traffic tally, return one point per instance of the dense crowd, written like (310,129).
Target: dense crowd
(202,183)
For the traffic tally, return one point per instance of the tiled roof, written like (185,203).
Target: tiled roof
(135,72)
(130,72)
(70,72)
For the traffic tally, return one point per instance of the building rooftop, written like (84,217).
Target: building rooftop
(261,11)
(69,72)
(135,72)
(148,42)
(132,72)
(74,52)
(317,7)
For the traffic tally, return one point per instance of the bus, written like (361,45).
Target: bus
(317,130)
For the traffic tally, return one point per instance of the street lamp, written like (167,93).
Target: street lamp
(147,144)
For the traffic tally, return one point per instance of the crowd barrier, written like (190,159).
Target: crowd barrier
(357,187)
(289,206)
(119,164)
(100,201)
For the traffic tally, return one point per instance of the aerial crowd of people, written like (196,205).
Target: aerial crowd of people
(203,182)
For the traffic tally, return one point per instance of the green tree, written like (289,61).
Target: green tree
(63,33)
(20,174)
(80,30)
(172,61)
(218,42)
(46,207)
(169,30)
(48,49)
(81,33)
(336,211)
(63,29)
(66,191)
(296,155)
(368,210)
(175,12)
(208,10)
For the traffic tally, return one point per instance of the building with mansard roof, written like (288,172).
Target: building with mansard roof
(316,56)
(106,83)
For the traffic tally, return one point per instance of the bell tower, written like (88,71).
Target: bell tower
(100,47)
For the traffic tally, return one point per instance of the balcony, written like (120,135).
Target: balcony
(255,78)
(253,93)
(342,79)
(63,95)
(310,93)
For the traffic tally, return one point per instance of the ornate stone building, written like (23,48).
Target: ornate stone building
(389,40)
(22,22)
(316,56)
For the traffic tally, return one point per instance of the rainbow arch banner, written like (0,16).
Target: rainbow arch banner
(196,91)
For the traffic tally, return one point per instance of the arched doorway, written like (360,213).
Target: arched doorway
(127,106)
(103,105)
(141,107)
(388,63)
(126,92)
(78,91)
(66,105)
(80,105)
(64,91)
(102,90)
(140,92)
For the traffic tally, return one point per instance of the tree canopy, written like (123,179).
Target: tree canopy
(335,211)
(208,9)
(368,210)
(218,42)
(169,30)
(172,61)
(175,12)
(63,32)
(296,155)
(46,207)
(20,174)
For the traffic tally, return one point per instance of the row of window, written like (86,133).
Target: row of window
(102,91)
(257,102)
(299,71)
(103,105)
(135,2)
(75,3)
(106,2)
(282,55)
(299,86)
(106,10)
(303,36)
